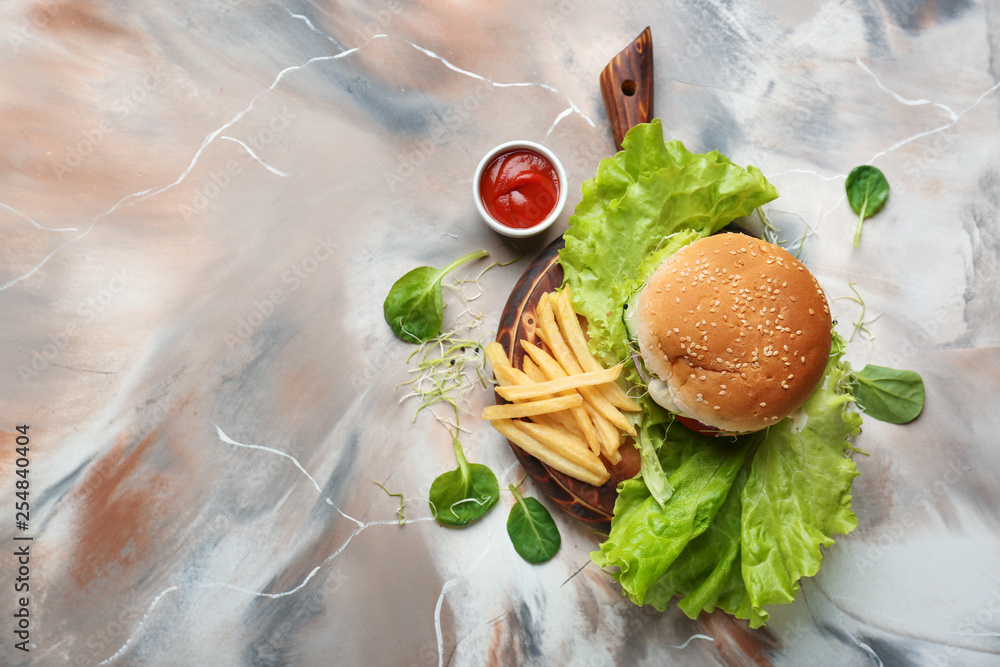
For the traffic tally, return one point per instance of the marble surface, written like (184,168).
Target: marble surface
(203,205)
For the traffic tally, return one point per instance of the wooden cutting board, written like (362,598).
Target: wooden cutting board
(627,89)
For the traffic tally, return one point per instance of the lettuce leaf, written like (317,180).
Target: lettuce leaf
(646,537)
(646,202)
(788,499)
(708,572)
(798,494)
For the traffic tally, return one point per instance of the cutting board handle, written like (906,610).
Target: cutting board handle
(627,86)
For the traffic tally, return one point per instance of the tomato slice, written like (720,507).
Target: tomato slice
(698,427)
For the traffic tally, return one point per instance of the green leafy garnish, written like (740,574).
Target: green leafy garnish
(532,530)
(859,325)
(888,394)
(747,517)
(441,370)
(646,538)
(798,492)
(399,512)
(414,308)
(459,497)
(645,203)
(867,192)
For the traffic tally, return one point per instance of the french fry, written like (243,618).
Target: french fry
(607,434)
(552,336)
(566,420)
(580,416)
(532,370)
(607,409)
(554,371)
(524,392)
(573,332)
(566,445)
(593,472)
(504,373)
(530,408)
(543,361)
(584,423)
(577,341)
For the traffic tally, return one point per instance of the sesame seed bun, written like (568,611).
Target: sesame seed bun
(736,330)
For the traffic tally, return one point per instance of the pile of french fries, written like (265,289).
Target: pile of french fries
(565,408)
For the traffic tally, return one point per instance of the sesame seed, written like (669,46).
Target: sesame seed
(763,405)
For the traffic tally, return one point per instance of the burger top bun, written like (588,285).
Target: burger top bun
(736,329)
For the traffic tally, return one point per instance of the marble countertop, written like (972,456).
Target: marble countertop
(203,206)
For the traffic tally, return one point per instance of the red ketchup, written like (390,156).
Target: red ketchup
(519,188)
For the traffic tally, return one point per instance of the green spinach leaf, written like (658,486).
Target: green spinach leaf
(867,192)
(888,394)
(459,497)
(414,308)
(532,530)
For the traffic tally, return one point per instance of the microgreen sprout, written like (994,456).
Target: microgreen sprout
(399,512)
(477,280)
(446,368)
(770,231)
(859,325)
(806,229)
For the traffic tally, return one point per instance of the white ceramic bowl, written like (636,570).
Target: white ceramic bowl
(513,231)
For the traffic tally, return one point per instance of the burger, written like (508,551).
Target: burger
(735,333)
(730,335)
